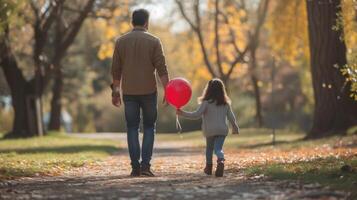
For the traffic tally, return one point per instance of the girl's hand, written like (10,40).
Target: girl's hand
(235,131)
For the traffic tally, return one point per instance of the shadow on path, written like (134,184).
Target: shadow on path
(166,186)
(64,149)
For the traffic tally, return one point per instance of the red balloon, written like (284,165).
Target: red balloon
(178,92)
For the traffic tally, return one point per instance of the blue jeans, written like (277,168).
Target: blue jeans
(133,105)
(214,143)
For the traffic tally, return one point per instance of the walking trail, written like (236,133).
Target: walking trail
(179,175)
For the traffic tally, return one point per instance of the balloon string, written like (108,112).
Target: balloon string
(178,125)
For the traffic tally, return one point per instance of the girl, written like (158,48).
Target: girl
(214,109)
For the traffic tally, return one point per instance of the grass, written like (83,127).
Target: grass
(248,138)
(50,155)
(260,139)
(325,171)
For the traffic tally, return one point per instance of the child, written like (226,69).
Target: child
(214,109)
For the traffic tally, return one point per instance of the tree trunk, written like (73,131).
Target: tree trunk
(39,77)
(256,89)
(334,110)
(64,37)
(258,104)
(226,83)
(22,93)
(56,105)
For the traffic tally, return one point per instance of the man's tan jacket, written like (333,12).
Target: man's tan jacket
(138,55)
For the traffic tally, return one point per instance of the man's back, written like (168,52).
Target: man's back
(137,56)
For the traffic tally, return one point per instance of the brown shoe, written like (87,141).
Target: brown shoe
(220,168)
(208,169)
(145,171)
(135,172)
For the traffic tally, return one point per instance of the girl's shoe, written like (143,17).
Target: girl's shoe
(208,169)
(220,168)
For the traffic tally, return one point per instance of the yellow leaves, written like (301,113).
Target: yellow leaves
(117,12)
(106,51)
(240,70)
(110,32)
(232,28)
(224,32)
(100,24)
(231,10)
(242,13)
(124,27)
(349,23)
(112,28)
(225,67)
(350,73)
(210,5)
(288,30)
(202,73)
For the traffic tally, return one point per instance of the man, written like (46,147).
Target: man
(137,57)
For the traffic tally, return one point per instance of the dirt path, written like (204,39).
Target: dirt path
(178,167)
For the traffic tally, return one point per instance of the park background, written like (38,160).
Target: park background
(290,67)
(263,51)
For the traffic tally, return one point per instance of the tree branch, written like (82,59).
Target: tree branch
(48,21)
(34,8)
(238,59)
(217,39)
(92,13)
(253,37)
(197,29)
(262,13)
(44,14)
(12,72)
(240,54)
(41,28)
(232,34)
(184,15)
(69,36)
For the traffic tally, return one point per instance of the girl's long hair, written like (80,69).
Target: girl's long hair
(215,91)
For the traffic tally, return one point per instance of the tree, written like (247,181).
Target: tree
(334,111)
(289,43)
(26,94)
(65,33)
(18,85)
(69,22)
(226,43)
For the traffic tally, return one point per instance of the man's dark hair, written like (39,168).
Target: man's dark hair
(140,17)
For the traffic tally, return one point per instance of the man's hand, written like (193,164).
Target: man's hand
(116,101)
(178,111)
(164,80)
(115,86)
(164,102)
